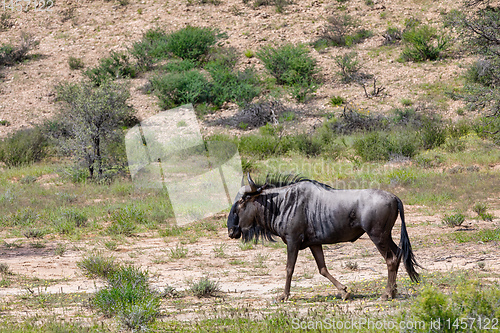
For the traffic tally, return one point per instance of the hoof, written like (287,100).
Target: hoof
(345,295)
(282,298)
(386,296)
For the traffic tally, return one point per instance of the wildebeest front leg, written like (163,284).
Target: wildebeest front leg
(292,253)
(317,251)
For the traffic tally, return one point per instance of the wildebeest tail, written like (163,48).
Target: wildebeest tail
(406,251)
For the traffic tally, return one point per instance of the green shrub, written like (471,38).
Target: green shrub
(482,71)
(335,31)
(480,208)
(125,220)
(374,146)
(454,220)
(230,85)
(422,42)
(175,89)
(180,65)
(129,296)
(152,47)
(289,64)
(349,67)
(11,55)
(337,101)
(192,43)
(432,134)
(69,220)
(259,146)
(358,37)
(204,287)
(113,67)
(24,217)
(97,264)
(404,143)
(23,147)
(303,143)
(75,63)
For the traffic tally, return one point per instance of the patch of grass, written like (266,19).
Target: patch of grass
(485,235)
(351,265)
(178,252)
(130,298)
(75,63)
(34,233)
(454,220)
(245,246)
(219,250)
(98,265)
(60,249)
(337,101)
(204,287)
(116,66)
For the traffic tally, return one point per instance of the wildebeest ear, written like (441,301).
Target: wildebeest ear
(251,183)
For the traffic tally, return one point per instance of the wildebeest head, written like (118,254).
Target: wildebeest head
(244,211)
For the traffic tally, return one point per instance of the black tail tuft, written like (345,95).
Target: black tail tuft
(406,251)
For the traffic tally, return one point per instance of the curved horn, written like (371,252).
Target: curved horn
(251,183)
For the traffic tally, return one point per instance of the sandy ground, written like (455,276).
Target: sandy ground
(254,276)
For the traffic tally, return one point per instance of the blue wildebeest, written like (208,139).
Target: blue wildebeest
(307,214)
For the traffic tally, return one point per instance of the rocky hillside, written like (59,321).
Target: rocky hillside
(91,29)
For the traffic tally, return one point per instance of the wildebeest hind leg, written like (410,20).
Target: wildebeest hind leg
(389,251)
(317,251)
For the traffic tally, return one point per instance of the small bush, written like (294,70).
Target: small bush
(180,66)
(289,64)
(178,252)
(480,208)
(175,89)
(432,134)
(423,43)
(482,71)
(392,36)
(454,220)
(114,67)
(374,146)
(258,146)
(192,43)
(351,121)
(337,101)
(152,47)
(335,31)
(358,37)
(129,296)
(349,67)
(230,85)
(11,55)
(24,147)
(97,265)
(204,287)
(4,269)
(34,233)
(60,249)
(75,63)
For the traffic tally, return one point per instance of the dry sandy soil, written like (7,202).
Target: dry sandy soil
(251,277)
